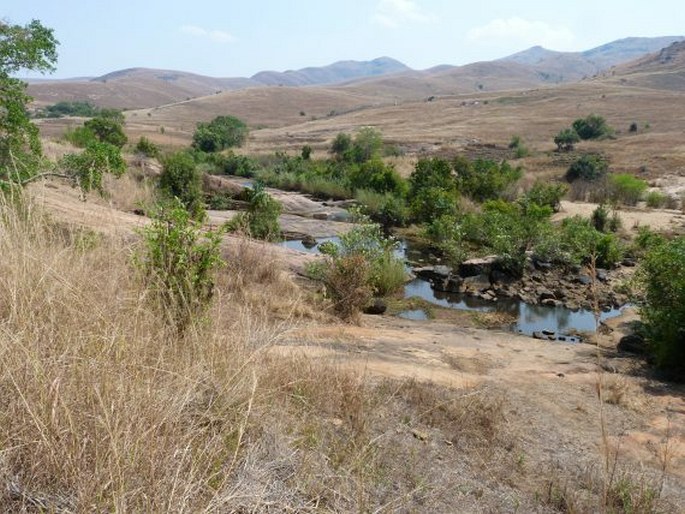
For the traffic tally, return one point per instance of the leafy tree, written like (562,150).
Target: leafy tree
(30,47)
(484,179)
(181,179)
(626,188)
(377,176)
(220,133)
(544,194)
(592,126)
(107,130)
(566,139)
(432,173)
(587,167)
(33,47)
(663,310)
(82,109)
(341,144)
(367,144)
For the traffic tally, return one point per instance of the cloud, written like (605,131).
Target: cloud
(393,13)
(521,31)
(218,36)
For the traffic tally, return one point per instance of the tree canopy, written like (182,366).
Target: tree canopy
(220,133)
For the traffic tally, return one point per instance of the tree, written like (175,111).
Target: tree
(220,133)
(587,167)
(592,126)
(566,139)
(107,130)
(341,144)
(33,47)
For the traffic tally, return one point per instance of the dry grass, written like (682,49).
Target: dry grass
(105,409)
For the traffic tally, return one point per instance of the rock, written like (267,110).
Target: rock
(442,271)
(539,335)
(453,284)
(628,262)
(476,284)
(548,332)
(632,343)
(602,275)
(378,306)
(419,434)
(546,294)
(501,277)
(480,266)
(545,266)
(320,216)
(139,212)
(584,279)
(550,302)
(309,241)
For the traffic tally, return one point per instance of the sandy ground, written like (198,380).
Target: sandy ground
(661,220)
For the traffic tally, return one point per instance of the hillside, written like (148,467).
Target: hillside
(662,70)
(572,66)
(337,72)
(137,88)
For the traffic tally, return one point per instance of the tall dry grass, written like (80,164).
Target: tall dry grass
(103,408)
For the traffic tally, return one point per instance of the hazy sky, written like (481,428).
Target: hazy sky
(239,38)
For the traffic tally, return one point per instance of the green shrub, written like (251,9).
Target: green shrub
(600,218)
(377,176)
(260,221)
(431,203)
(588,167)
(484,179)
(566,139)
(626,189)
(447,235)
(80,136)
(179,262)
(384,208)
(520,150)
(663,310)
(545,194)
(146,147)
(107,130)
(341,144)
(220,133)
(432,173)
(592,126)
(81,109)
(386,273)
(181,179)
(581,242)
(656,199)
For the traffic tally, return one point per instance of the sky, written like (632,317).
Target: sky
(239,38)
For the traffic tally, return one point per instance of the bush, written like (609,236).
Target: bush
(580,242)
(220,133)
(179,263)
(347,282)
(566,140)
(588,167)
(81,109)
(432,203)
(80,136)
(386,273)
(181,179)
(260,221)
(663,310)
(384,208)
(432,173)
(146,147)
(626,189)
(520,150)
(107,130)
(377,176)
(341,144)
(484,179)
(593,126)
(544,194)
(656,199)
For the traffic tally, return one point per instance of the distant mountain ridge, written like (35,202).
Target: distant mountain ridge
(340,71)
(143,87)
(571,66)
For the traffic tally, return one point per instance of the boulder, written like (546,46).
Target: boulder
(632,343)
(479,266)
(546,294)
(550,302)
(309,241)
(476,284)
(377,307)
(602,275)
(584,279)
